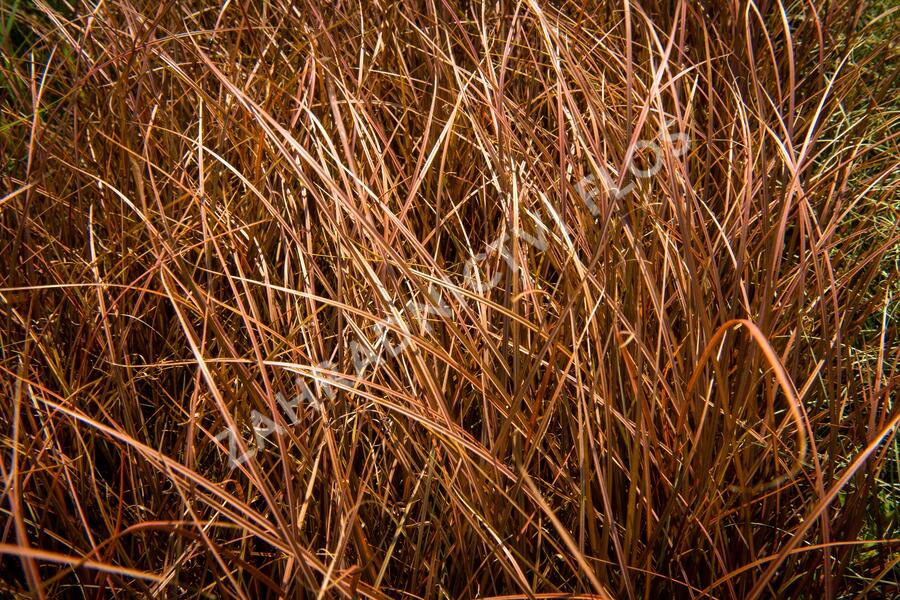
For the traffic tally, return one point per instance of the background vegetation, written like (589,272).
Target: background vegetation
(691,394)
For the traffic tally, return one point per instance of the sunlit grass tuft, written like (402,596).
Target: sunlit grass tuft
(449,300)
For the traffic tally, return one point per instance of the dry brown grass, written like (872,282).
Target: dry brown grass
(691,393)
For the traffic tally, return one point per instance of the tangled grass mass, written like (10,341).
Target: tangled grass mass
(444,299)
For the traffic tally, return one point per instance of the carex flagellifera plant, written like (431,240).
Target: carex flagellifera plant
(442,299)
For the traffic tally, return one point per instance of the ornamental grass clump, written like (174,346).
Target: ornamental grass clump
(441,299)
